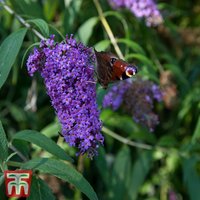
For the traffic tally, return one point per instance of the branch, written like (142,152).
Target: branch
(14,164)
(108,29)
(132,143)
(13,148)
(21,20)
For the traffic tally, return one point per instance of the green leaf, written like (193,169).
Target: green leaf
(120,17)
(139,172)
(196,135)
(188,102)
(192,177)
(125,125)
(133,45)
(17,112)
(141,58)
(167,140)
(102,45)
(23,147)
(42,25)
(28,8)
(86,29)
(43,142)
(179,75)
(102,166)
(3,144)
(49,9)
(2,189)
(63,171)
(52,129)
(8,52)
(2,179)
(121,174)
(40,190)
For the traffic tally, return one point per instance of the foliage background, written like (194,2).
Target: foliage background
(123,170)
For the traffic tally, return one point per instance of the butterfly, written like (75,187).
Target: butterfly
(110,68)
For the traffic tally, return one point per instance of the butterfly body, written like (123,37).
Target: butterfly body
(110,68)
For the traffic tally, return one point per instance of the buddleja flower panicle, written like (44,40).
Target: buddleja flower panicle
(68,72)
(141,9)
(136,98)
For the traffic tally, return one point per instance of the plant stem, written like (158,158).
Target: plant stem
(22,21)
(142,145)
(14,164)
(13,148)
(80,168)
(108,29)
(132,143)
(125,140)
(156,60)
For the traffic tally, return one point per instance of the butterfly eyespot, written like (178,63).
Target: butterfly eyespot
(130,71)
(112,60)
(110,68)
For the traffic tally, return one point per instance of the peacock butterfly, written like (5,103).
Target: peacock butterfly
(110,68)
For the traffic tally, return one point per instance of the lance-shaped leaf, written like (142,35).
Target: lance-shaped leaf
(8,52)
(43,142)
(63,171)
(3,144)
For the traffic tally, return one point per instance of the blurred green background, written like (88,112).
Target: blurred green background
(171,169)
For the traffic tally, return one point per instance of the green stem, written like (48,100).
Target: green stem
(13,148)
(156,60)
(108,29)
(132,143)
(80,168)
(14,164)
(21,20)
(142,145)
(125,140)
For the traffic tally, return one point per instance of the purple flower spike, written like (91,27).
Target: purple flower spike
(136,98)
(68,72)
(141,8)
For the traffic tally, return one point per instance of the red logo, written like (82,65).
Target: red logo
(18,183)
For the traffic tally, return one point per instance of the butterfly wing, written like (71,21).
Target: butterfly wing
(110,68)
(104,67)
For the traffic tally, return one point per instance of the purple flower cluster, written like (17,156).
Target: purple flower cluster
(141,8)
(114,98)
(136,98)
(68,72)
